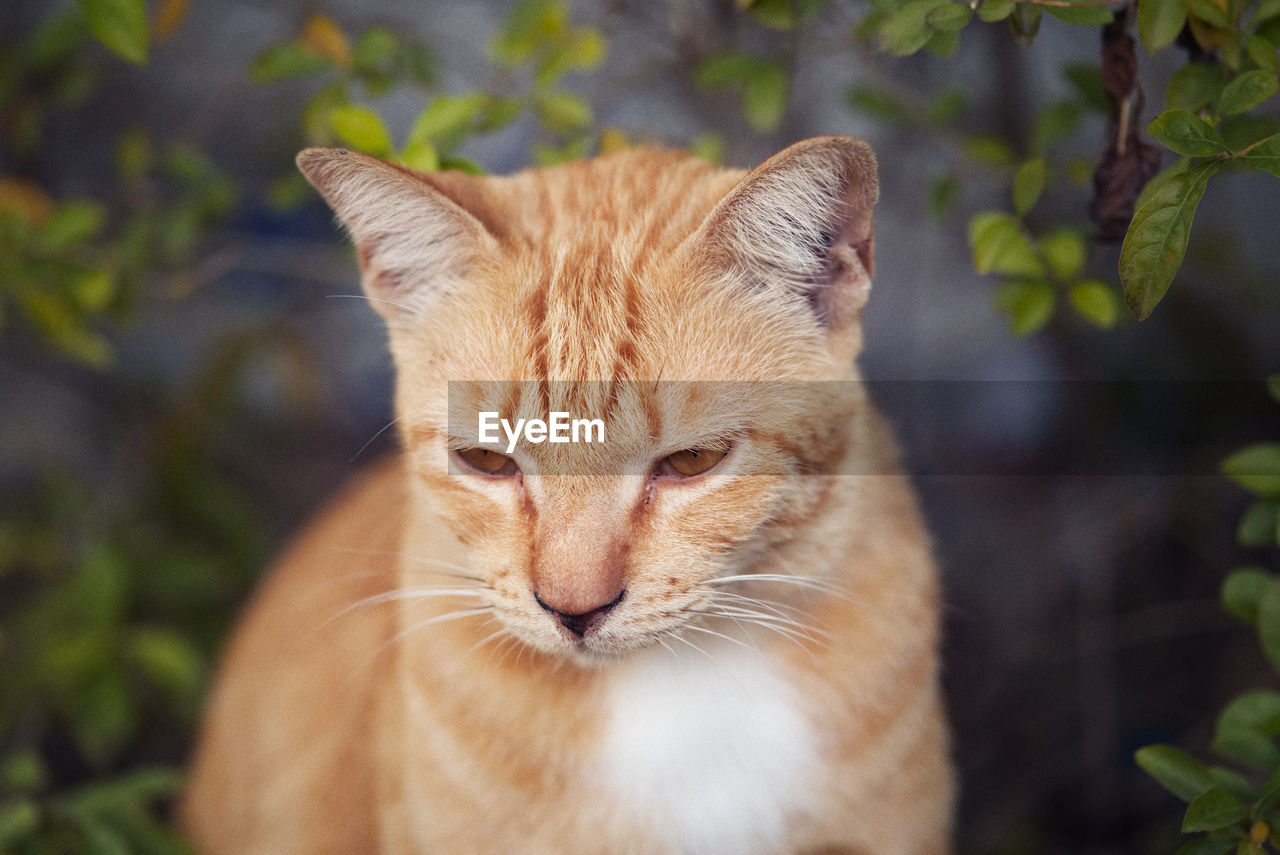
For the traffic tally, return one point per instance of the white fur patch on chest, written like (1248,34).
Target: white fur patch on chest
(710,751)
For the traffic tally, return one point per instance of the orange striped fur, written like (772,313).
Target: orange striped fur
(592,650)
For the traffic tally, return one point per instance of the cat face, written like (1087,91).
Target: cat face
(697,314)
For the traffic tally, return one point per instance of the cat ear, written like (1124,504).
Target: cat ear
(802,221)
(414,242)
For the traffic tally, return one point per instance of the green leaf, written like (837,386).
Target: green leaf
(1175,770)
(764,97)
(877,103)
(361,128)
(1054,124)
(531,24)
(782,15)
(375,50)
(19,821)
(949,18)
(905,30)
(133,154)
(1265,155)
(287,60)
(1273,387)
(1195,86)
(1210,13)
(1241,591)
(563,112)
(1256,709)
(724,69)
(100,838)
(1157,238)
(1028,303)
(1087,81)
(169,661)
(1256,468)
(446,117)
(1024,23)
(1187,134)
(121,26)
(1216,808)
(1246,730)
(709,147)
(582,50)
(1265,11)
(999,246)
(1247,90)
(94,290)
(990,11)
(499,113)
(943,44)
(144,784)
(1235,783)
(420,155)
(71,224)
(1028,184)
(1269,621)
(1246,747)
(1064,251)
(991,151)
(1260,525)
(1082,14)
(23,772)
(1262,52)
(1269,798)
(942,195)
(947,106)
(1159,22)
(1096,302)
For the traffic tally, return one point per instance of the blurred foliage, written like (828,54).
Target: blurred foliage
(111,606)
(1238,809)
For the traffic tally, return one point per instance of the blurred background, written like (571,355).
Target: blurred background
(186,370)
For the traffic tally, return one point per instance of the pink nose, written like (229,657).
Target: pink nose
(583,623)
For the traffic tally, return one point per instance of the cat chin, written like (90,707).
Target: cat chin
(596,652)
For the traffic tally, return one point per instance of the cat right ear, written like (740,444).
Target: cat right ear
(414,242)
(801,223)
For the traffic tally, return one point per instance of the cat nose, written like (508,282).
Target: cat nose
(581,624)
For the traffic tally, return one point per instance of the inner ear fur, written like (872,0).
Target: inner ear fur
(413,237)
(802,222)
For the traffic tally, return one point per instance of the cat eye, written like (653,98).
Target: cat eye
(487,461)
(690,462)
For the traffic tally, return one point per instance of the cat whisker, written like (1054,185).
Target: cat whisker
(728,638)
(802,637)
(684,640)
(444,618)
(418,592)
(497,651)
(810,582)
(762,618)
(462,571)
(373,438)
(780,609)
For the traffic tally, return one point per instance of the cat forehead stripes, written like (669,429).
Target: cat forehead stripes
(636,253)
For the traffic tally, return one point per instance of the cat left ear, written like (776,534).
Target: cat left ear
(414,242)
(802,221)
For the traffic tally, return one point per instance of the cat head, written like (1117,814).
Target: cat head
(697,313)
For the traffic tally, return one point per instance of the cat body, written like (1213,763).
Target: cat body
(714,632)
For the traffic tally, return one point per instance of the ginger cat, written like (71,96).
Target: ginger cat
(715,632)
